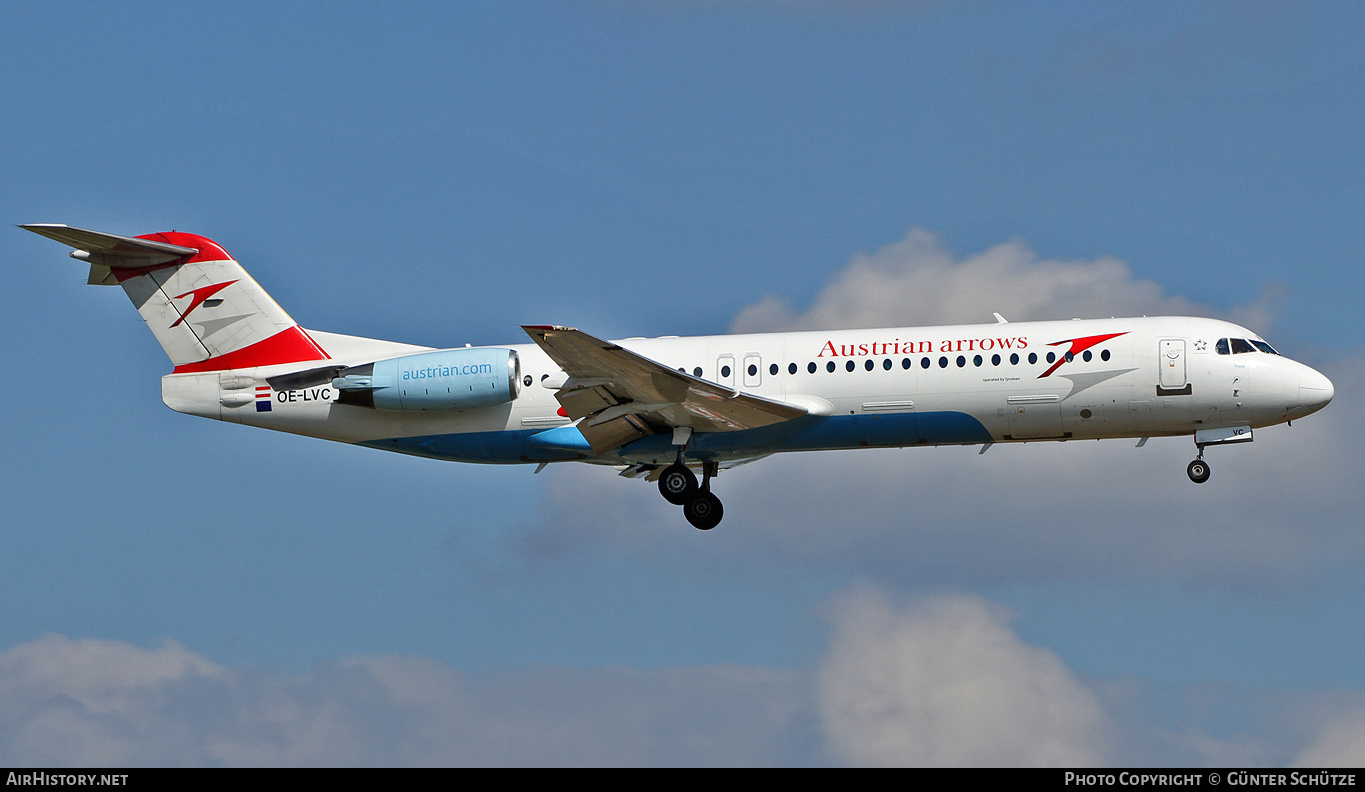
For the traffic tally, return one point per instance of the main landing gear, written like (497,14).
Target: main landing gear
(679,487)
(1198,470)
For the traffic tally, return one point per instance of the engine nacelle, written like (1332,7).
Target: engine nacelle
(450,379)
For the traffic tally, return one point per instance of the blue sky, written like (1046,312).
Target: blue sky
(441,173)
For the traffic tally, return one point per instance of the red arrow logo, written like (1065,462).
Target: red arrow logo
(1078,345)
(200,295)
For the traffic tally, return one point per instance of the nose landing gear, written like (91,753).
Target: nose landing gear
(1198,470)
(1220,435)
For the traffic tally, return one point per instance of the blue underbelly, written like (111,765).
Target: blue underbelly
(802,434)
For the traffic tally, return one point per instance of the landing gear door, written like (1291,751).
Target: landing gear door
(1172,363)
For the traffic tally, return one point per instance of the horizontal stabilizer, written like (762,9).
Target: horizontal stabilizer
(111,250)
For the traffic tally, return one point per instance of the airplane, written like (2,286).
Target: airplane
(662,408)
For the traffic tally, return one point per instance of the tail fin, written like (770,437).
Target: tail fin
(208,314)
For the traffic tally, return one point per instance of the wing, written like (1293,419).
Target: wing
(618,396)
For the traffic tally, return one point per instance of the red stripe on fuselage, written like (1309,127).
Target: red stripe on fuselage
(288,346)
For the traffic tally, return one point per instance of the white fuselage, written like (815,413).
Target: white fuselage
(961,384)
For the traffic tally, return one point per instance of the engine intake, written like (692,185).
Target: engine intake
(449,379)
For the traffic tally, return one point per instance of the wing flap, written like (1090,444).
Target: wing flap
(615,433)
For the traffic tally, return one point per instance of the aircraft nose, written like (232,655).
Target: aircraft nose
(1315,390)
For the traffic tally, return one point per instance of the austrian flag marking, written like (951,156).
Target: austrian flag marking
(262,398)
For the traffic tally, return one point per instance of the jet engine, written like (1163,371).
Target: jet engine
(449,379)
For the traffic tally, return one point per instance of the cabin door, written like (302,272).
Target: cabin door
(1172,363)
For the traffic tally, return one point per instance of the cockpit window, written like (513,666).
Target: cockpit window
(1238,346)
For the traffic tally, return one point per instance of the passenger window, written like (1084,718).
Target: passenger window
(869,365)
(724,371)
(1104,354)
(1088,355)
(830,367)
(924,363)
(1033,357)
(961,361)
(976,361)
(1051,357)
(995,360)
(943,362)
(850,365)
(1014,359)
(696,372)
(905,364)
(773,369)
(791,369)
(811,367)
(886,364)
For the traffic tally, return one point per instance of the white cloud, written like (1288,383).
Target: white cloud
(1340,744)
(87,702)
(104,676)
(943,681)
(916,282)
(947,683)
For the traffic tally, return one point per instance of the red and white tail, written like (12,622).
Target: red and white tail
(206,311)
